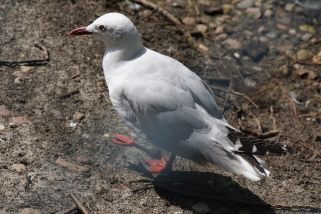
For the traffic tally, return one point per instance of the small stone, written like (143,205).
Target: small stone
(303,54)
(78,116)
(221,37)
(219,30)
(254,12)
(289,7)
(306,74)
(255,50)
(232,43)
(72,167)
(201,207)
(245,4)
(18,167)
(317,58)
(29,211)
(268,13)
(272,35)
(227,8)
(281,26)
(292,31)
(201,28)
(25,69)
(17,121)
(73,125)
(212,10)
(2,127)
(18,80)
(306,36)
(203,48)
(4,112)
(263,39)
(308,28)
(261,29)
(189,21)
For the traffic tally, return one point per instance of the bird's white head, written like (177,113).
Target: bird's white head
(116,30)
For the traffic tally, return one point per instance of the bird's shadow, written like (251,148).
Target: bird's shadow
(205,192)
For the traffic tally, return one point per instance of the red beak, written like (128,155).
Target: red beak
(80,31)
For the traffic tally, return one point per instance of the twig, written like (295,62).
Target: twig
(273,119)
(264,135)
(307,63)
(238,94)
(80,206)
(291,104)
(69,94)
(28,62)
(174,20)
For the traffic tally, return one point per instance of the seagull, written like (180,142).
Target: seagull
(161,99)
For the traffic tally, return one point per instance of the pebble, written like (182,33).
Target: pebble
(232,43)
(72,167)
(292,31)
(25,69)
(18,167)
(73,125)
(308,28)
(4,112)
(201,28)
(256,50)
(263,39)
(281,26)
(245,4)
(303,54)
(201,207)
(189,21)
(254,12)
(18,80)
(203,48)
(289,7)
(219,30)
(262,29)
(78,116)
(2,127)
(306,36)
(29,211)
(268,13)
(17,121)
(227,8)
(221,37)
(271,35)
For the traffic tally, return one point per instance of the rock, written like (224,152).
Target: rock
(227,8)
(29,211)
(17,121)
(189,21)
(254,12)
(268,13)
(317,58)
(201,28)
(72,167)
(203,48)
(308,28)
(4,112)
(281,26)
(303,54)
(73,125)
(213,10)
(2,127)
(292,31)
(219,30)
(18,80)
(306,36)
(306,74)
(245,4)
(221,37)
(289,7)
(272,35)
(256,50)
(263,39)
(201,207)
(25,69)
(232,43)
(78,116)
(18,167)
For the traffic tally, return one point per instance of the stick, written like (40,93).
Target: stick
(238,94)
(80,206)
(69,94)
(174,20)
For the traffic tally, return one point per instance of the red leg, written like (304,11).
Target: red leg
(123,140)
(156,166)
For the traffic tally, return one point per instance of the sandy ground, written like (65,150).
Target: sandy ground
(56,119)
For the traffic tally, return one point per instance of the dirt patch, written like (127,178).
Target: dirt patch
(48,150)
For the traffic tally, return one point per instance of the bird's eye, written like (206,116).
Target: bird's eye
(102,28)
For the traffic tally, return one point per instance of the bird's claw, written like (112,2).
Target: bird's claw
(157,165)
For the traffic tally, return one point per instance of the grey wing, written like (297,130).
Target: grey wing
(165,113)
(202,94)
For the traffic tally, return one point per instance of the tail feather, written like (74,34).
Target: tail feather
(250,145)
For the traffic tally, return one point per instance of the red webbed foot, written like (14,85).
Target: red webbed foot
(123,140)
(157,165)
